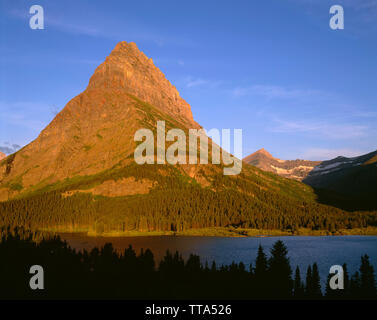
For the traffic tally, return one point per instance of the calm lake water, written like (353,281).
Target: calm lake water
(303,251)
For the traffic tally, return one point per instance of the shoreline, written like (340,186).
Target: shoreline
(220,232)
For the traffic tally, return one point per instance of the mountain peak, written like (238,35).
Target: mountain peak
(294,169)
(124,44)
(257,153)
(95,130)
(2,155)
(130,70)
(129,49)
(264,152)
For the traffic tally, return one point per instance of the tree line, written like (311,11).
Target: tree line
(175,210)
(178,203)
(106,273)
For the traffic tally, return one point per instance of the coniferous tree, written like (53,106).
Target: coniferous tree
(309,282)
(355,286)
(298,290)
(260,272)
(316,282)
(251,270)
(330,293)
(193,264)
(367,280)
(346,282)
(279,270)
(105,273)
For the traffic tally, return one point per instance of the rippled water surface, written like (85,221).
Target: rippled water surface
(326,251)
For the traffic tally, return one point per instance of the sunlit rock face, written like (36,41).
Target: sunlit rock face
(293,169)
(95,130)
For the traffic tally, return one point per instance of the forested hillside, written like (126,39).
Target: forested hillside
(178,203)
(80,173)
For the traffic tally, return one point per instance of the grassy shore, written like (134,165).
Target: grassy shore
(223,232)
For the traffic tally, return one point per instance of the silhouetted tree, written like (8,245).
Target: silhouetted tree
(260,272)
(298,290)
(355,286)
(105,273)
(279,270)
(316,283)
(261,264)
(367,281)
(309,282)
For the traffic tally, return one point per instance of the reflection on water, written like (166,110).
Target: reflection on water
(303,251)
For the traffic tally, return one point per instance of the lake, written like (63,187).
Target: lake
(303,251)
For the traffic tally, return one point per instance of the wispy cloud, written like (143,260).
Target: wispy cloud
(107,29)
(360,5)
(365,114)
(170,62)
(194,82)
(191,82)
(344,120)
(320,128)
(327,154)
(9,148)
(274,92)
(21,122)
(23,114)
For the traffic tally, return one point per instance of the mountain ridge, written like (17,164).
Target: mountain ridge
(344,182)
(88,134)
(130,69)
(80,172)
(293,169)
(329,173)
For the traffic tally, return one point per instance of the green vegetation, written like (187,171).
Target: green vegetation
(254,203)
(216,232)
(16,186)
(179,205)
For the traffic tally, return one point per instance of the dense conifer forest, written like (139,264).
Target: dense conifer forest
(178,203)
(105,273)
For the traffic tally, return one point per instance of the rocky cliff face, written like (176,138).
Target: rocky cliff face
(293,169)
(80,173)
(349,176)
(130,70)
(95,130)
(2,156)
(89,146)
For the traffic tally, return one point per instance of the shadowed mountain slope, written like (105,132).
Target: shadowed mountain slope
(349,183)
(80,173)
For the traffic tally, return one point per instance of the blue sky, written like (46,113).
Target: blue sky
(273,68)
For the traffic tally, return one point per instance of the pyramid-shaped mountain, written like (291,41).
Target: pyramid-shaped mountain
(95,130)
(80,173)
